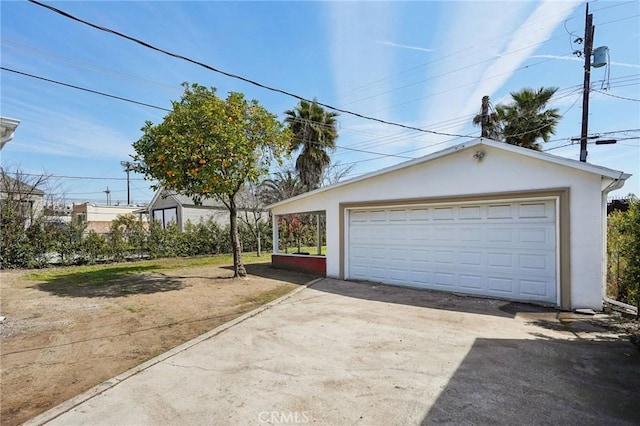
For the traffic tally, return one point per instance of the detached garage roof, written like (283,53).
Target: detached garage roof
(476,143)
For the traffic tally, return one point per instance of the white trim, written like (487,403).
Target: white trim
(556,201)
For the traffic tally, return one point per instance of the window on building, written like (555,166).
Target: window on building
(166,216)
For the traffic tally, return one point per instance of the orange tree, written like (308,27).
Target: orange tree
(209,147)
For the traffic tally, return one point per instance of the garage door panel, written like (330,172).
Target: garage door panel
(497,249)
(470,213)
(377,253)
(377,216)
(378,273)
(420,277)
(499,211)
(420,256)
(475,234)
(535,289)
(536,262)
(398,275)
(471,258)
(533,210)
(446,279)
(444,234)
(471,282)
(500,235)
(443,213)
(536,236)
(502,285)
(441,257)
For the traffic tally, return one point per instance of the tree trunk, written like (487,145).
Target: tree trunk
(238,267)
(259,238)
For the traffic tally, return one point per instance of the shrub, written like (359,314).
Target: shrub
(623,252)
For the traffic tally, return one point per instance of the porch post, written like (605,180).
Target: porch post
(318,236)
(274,233)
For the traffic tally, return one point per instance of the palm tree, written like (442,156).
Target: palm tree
(285,184)
(525,120)
(314,132)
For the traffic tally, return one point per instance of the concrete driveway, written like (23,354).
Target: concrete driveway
(341,353)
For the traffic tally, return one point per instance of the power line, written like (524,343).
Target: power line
(82,88)
(228,74)
(80,177)
(616,96)
(458,52)
(153,106)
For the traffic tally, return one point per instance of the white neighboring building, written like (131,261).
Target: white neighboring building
(167,206)
(29,198)
(98,218)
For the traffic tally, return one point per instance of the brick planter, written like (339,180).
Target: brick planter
(300,262)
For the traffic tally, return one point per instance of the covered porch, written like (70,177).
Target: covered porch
(299,242)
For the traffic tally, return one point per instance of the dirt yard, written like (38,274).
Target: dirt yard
(59,340)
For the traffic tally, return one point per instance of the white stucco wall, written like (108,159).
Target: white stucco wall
(106,213)
(202,214)
(459,174)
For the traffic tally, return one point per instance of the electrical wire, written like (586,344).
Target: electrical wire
(451,55)
(229,74)
(153,106)
(82,177)
(616,96)
(83,89)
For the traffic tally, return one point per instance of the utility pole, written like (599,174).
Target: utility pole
(589,31)
(485,117)
(108,192)
(127,168)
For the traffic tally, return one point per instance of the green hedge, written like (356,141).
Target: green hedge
(623,253)
(42,244)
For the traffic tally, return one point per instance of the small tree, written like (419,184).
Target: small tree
(207,146)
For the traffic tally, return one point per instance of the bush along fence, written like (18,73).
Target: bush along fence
(44,243)
(623,253)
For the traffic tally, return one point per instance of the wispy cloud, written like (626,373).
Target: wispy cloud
(59,134)
(521,46)
(353,55)
(404,46)
(452,80)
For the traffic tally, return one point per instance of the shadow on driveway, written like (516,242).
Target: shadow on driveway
(265,270)
(542,381)
(429,298)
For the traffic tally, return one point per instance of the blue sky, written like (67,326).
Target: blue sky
(425,64)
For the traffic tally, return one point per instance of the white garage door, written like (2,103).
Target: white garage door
(499,249)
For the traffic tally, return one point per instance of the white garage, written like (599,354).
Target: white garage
(481,218)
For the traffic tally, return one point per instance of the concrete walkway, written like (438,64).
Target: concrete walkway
(341,353)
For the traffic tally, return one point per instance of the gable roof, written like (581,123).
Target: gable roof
(184,200)
(567,162)
(9,184)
